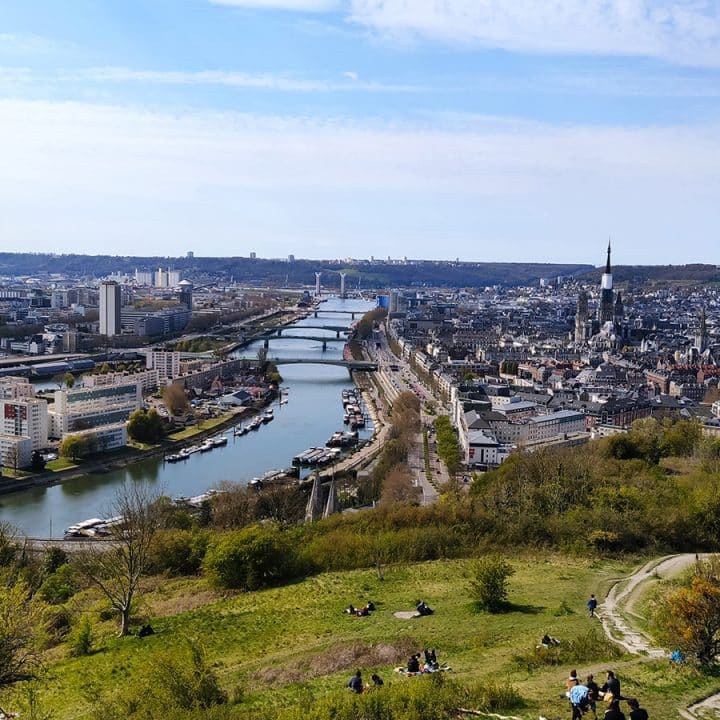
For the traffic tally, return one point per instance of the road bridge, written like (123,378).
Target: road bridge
(324,340)
(337,329)
(351,313)
(351,365)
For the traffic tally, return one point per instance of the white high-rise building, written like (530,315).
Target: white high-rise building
(161,278)
(109,308)
(165,362)
(174,278)
(27,417)
(143,278)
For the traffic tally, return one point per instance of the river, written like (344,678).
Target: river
(313,412)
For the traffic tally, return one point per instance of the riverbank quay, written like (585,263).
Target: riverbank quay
(127,456)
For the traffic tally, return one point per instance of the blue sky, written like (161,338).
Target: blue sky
(485,130)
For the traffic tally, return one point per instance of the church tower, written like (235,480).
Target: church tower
(606,309)
(581,316)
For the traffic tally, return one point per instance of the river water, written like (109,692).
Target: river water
(313,412)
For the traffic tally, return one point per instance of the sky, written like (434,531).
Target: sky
(485,130)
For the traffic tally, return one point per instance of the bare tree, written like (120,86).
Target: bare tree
(116,567)
(398,487)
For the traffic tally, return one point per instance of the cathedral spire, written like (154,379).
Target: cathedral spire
(607,264)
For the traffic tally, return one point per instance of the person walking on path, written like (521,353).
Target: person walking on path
(592,604)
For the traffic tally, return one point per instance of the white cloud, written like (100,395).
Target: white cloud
(296,5)
(27,44)
(90,178)
(683,31)
(261,81)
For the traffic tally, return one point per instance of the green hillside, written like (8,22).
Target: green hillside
(280,650)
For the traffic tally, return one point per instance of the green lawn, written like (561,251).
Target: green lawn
(285,644)
(61,463)
(200,427)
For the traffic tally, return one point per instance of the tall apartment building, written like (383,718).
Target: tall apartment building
(83,408)
(26,417)
(109,308)
(161,278)
(166,363)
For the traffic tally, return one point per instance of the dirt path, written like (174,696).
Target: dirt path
(617,608)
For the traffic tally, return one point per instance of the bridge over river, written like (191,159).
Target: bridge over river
(351,365)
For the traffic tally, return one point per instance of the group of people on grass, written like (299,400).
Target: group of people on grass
(364,611)
(356,682)
(584,698)
(416,664)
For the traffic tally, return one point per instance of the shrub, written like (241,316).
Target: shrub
(57,623)
(250,558)
(489,583)
(80,639)
(53,559)
(177,552)
(60,586)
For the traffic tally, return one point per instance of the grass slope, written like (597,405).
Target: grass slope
(284,645)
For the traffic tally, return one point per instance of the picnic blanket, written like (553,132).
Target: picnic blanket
(406,614)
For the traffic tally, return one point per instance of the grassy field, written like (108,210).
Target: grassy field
(200,427)
(283,645)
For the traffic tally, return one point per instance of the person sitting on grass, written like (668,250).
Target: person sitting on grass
(636,712)
(431,659)
(377,680)
(423,608)
(413,665)
(355,683)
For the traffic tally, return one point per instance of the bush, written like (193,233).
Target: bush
(250,558)
(80,639)
(489,584)
(53,558)
(56,620)
(177,552)
(60,586)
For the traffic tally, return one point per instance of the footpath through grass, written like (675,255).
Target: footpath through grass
(280,647)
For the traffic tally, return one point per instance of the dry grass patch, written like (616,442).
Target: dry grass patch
(336,658)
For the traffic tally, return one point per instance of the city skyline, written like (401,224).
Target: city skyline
(332,128)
